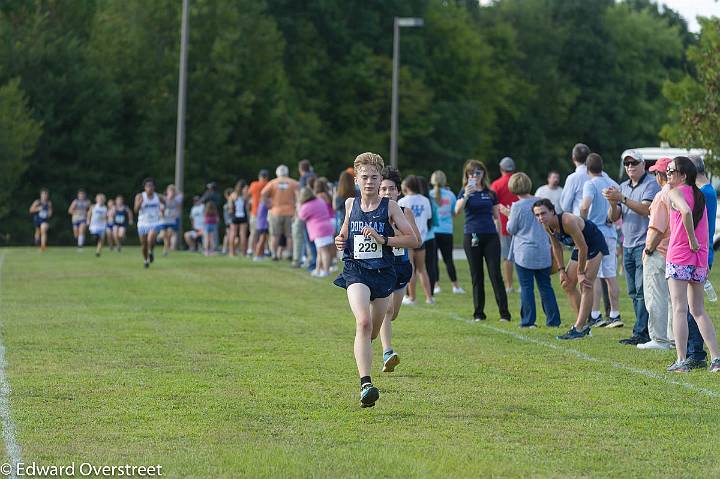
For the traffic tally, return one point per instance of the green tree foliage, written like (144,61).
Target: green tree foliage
(19,133)
(588,71)
(275,81)
(695,112)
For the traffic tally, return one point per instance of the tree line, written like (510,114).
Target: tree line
(88,89)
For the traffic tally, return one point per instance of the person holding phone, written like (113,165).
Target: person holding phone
(481,241)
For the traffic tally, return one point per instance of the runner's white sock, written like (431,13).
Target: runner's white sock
(595,314)
(614,314)
(81,240)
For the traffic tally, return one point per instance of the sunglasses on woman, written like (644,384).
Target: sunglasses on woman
(670,171)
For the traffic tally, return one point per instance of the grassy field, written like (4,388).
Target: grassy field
(215,367)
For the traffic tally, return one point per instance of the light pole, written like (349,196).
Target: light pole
(399,22)
(182,93)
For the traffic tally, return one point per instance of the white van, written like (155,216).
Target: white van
(652,154)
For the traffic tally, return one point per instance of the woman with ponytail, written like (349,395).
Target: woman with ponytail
(687,261)
(444,201)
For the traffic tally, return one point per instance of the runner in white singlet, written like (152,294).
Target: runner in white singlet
(97,219)
(149,207)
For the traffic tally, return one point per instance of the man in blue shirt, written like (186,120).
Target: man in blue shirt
(594,208)
(632,202)
(572,192)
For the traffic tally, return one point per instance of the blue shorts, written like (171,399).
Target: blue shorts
(78,223)
(403,272)
(596,245)
(380,281)
(169,226)
(211,228)
(39,221)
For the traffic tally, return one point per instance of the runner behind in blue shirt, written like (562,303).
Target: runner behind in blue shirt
(390,188)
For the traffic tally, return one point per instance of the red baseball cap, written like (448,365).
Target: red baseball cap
(661,165)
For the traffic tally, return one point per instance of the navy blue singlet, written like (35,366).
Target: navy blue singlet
(379,219)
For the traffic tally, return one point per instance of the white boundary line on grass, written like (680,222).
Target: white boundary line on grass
(11,445)
(615,365)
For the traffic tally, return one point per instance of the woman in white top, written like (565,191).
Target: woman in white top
(149,207)
(237,201)
(422,211)
(97,219)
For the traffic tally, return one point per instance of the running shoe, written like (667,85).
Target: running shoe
(575,334)
(97,255)
(477,319)
(715,365)
(390,360)
(614,322)
(693,363)
(593,322)
(146,264)
(634,340)
(151,257)
(368,395)
(602,323)
(505,320)
(436,290)
(406,300)
(678,366)
(458,290)
(430,301)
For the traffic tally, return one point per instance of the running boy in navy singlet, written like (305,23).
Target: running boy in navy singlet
(41,211)
(123,218)
(390,188)
(367,239)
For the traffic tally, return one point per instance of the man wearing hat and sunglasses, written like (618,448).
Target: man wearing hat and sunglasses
(632,203)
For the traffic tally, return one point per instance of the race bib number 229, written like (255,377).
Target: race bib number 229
(365,247)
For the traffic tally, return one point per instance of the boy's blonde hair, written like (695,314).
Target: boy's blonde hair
(368,159)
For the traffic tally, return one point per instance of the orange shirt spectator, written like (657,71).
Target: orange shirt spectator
(282,194)
(255,191)
(660,219)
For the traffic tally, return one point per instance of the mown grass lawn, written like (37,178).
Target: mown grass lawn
(214,367)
